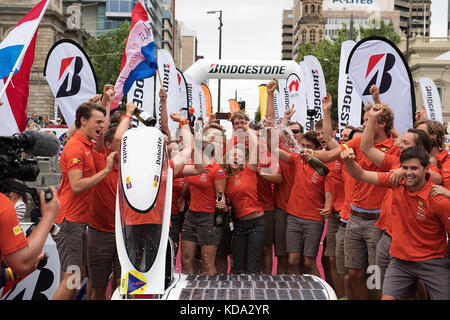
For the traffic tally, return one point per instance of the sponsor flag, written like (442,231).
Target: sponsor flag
(349,102)
(262,100)
(234,106)
(139,59)
(208,101)
(181,94)
(71,77)
(376,60)
(196,100)
(316,88)
(279,100)
(16,59)
(296,95)
(169,80)
(431,99)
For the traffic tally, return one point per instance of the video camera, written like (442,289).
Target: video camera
(17,163)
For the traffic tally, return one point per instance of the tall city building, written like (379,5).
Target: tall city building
(287,34)
(361,12)
(309,23)
(189,51)
(417,13)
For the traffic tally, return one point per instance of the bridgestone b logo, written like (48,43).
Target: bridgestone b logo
(386,78)
(247,69)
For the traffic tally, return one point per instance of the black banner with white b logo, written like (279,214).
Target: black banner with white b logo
(377,61)
(71,77)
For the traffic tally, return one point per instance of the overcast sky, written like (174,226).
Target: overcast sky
(251,30)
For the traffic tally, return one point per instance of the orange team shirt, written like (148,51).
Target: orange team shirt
(242,191)
(308,192)
(390,162)
(268,165)
(12,237)
(177,187)
(443,159)
(419,221)
(335,181)
(349,187)
(282,191)
(367,196)
(76,155)
(202,189)
(103,208)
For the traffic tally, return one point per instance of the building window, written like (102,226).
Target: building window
(306,9)
(312,8)
(312,36)
(303,36)
(320,35)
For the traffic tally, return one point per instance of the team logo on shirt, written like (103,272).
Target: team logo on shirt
(128,182)
(76,160)
(421,212)
(17,229)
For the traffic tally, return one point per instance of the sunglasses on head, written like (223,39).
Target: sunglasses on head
(295,131)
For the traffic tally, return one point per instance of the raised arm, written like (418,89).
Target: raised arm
(164,118)
(367,139)
(183,157)
(270,87)
(327,102)
(355,170)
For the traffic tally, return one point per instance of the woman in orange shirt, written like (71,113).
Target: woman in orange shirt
(248,214)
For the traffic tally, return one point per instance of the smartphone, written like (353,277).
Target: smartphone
(223,115)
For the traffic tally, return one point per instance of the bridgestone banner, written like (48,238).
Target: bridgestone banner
(349,102)
(196,99)
(376,60)
(168,72)
(280,100)
(295,97)
(315,88)
(181,94)
(431,99)
(71,77)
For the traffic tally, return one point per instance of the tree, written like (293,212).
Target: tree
(106,52)
(328,52)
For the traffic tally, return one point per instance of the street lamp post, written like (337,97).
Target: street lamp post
(220,50)
(440,84)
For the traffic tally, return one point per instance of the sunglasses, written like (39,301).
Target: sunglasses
(295,131)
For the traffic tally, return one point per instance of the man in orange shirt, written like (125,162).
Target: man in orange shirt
(362,235)
(419,224)
(79,175)
(23,254)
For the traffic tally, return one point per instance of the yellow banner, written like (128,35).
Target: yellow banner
(262,99)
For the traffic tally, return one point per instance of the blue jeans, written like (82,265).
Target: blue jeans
(248,244)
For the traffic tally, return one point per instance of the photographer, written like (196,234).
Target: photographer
(23,254)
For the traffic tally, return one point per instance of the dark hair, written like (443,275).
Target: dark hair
(117,116)
(422,139)
(291,123)
(108,135)
(319,124)
(415,152)
(312,136)
(434,127)
(352,133)
(85,110)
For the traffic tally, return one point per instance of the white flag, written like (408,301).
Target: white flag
(349,102)
(316,89)
(431,99)
(168,74)
(376,60)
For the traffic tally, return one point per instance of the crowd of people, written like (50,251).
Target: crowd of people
(384,204)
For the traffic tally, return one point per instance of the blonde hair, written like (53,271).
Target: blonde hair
(387,117)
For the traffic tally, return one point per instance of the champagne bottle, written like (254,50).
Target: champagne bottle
(218,213)
(143,116)
(319,166)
